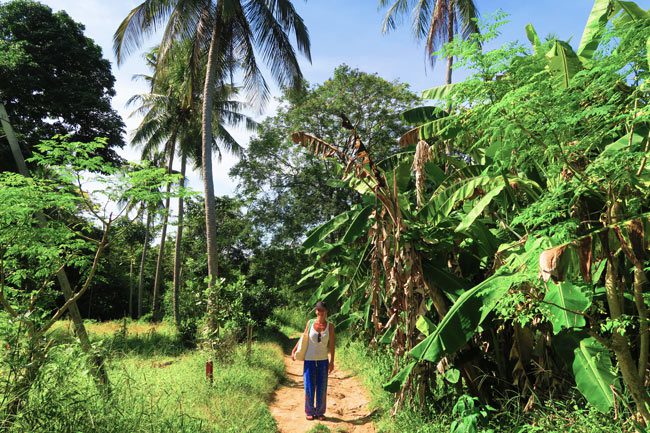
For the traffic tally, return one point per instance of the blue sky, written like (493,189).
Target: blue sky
(342,31)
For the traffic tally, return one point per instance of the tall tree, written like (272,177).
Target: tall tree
(53,80)
(172,122)
(230,33)
(290,192)
(434,21)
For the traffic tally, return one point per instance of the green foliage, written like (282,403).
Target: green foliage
(556,415)
(51,222)
(566,303)
(76,99)
(242,303)
(469,415)
(291,192)
(537,150)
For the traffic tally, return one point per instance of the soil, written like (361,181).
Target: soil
(347,403)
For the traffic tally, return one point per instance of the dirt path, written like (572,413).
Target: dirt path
(347,403)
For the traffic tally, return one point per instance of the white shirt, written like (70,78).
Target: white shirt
(317,351)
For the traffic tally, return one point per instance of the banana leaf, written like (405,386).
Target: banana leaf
(563,62)
(592,368)
(478,208)
(419,115)
(464,317)
(440,93)
(593,32)
(532,36)
(565,301)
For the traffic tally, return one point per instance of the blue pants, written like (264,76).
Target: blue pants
(315,377)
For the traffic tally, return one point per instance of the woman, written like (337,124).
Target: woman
(316,365)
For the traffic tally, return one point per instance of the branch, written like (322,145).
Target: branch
(645,157)
(83,199)
(80,293)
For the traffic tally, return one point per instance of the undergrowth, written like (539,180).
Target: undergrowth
(157,386)
(570,415)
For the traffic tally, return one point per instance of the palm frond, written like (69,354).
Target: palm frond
(144,20)
(394,14)
(467,15)
(225,141)
(292,22)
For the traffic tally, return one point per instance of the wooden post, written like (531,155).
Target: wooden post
(209,371)
(249,340)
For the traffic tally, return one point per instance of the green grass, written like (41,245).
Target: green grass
(157,386)
(319,428)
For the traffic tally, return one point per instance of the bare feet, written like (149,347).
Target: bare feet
(310,417)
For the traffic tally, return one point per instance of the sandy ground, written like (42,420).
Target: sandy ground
(347,403)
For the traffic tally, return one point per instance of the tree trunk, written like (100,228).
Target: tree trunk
(640,284)
(206,149)
(97,366)
(145,249)
(620,342)
(131,260)
(13,142)
(621,347)
(450,63)
(155,307)
(450,38)
(177,249)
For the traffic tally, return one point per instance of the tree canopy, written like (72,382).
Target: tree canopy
(53,79)
(290,192)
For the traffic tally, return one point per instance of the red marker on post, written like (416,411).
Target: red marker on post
(209,371)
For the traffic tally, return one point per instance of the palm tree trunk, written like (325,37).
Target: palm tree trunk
(206,149)
(131,260)
(155,307)
(450,63)
(177,248)
(145,249)
(450,38)
(97,366)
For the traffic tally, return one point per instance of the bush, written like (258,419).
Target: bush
(187,330)
(241,304)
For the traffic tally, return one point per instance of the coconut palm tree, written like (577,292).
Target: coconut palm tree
(434,21)
(231,33)
(172,121)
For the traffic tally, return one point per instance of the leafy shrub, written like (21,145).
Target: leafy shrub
(241,303)
(187,330)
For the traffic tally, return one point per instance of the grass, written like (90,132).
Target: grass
(157,386)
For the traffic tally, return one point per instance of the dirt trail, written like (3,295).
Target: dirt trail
(347,403)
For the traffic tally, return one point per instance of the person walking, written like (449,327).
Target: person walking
(317,366)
